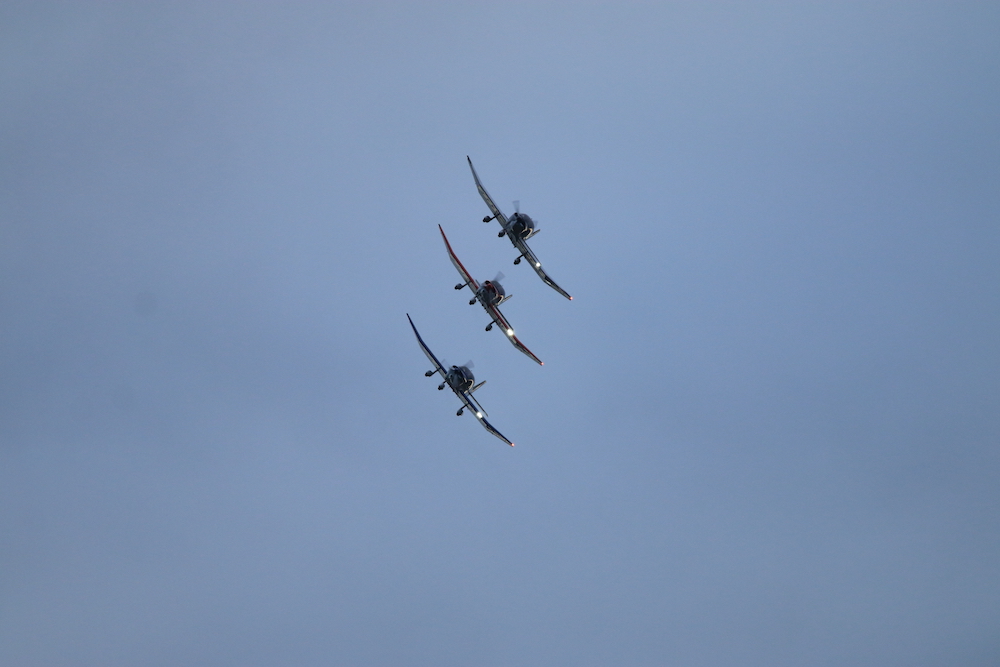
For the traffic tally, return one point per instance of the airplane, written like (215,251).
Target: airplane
(518,228)
(462,382)
(490,294)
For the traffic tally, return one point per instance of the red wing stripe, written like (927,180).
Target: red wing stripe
(499,318)
(519,345)
(502,321)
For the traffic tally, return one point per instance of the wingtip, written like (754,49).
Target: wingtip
(512,444)
(541,363)
(571,298)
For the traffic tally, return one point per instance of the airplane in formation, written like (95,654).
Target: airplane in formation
(518,228)
(490,294)
(462,382)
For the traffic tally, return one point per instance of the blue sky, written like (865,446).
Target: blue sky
(767,428)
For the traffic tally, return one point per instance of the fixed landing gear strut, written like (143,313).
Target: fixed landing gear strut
(472,302)
(459,286)
(488,218)
(502,232)
(517,261)
(429,373)
(489,326)
(441,386)
(459,413)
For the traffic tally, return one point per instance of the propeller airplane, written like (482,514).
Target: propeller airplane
(490,294)
(462,382)
(518,228)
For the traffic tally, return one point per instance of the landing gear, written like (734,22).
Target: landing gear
(472,302)
(459,413)
(502,232)
(459,286)
(517,261)
(489,326)
(488,218)
(429,373)
(441,386)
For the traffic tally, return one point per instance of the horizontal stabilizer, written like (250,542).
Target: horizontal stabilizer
(478,406)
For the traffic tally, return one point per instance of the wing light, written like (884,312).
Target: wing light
(479,415)
(538,265)
(510,332)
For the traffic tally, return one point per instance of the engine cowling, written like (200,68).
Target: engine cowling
(492,292)
(461,378)
(521,225)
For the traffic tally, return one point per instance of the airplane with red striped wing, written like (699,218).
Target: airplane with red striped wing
(490,294)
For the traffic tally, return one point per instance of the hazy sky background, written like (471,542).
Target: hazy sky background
(767,431)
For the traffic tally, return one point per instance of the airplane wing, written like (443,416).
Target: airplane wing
(486,196)
(519,345)
(467,399)
(466,276)
(479,413)
(499,319)
(430,355)
(509,332)
(489,427)
(537,266)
